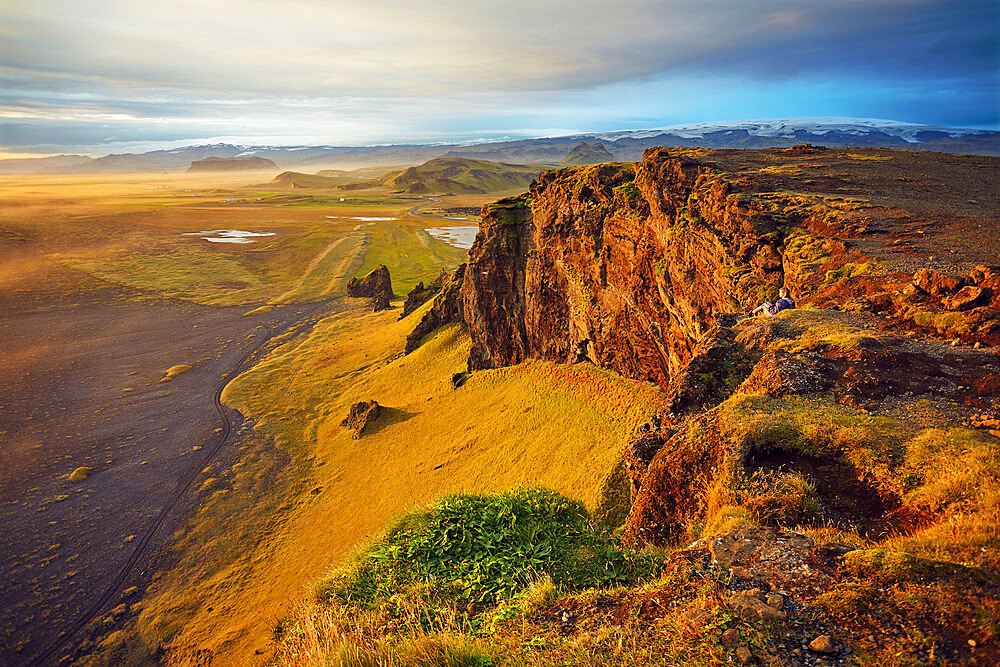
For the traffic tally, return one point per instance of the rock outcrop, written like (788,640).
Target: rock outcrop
(361,415)
(377,286)
(636,262)
(419,295)
(376,281)
(446,309)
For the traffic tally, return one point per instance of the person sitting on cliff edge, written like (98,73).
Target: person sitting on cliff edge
(784,302)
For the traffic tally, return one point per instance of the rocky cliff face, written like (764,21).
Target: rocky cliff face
(631,265)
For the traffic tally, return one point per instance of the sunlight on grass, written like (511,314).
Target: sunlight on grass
(561,427)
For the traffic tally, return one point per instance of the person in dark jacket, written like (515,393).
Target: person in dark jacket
(769,309)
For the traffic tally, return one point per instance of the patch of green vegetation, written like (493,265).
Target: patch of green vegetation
(334,201)
(816,329)
(851,270)
(483,549)
(944,322)
(508,211)
(629,192)
(411,254)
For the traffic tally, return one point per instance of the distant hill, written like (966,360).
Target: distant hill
(298,181)
(584,153)
(34,165)
(461,175)
(251,163)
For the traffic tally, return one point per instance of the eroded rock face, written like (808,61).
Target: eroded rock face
(620,257)
(447,308)
(631,266)
(419,295)
(372,285)
(361,415)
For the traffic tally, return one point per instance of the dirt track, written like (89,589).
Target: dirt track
(80,386)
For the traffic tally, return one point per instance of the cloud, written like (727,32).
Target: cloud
(392,67)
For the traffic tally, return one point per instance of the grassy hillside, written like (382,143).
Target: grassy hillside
(462,176)
(305,494)
(295,180)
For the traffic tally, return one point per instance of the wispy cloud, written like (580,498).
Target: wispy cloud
(389,70)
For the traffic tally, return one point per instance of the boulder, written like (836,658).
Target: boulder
(966,298)
(823,644)
(935,283)
(361,415)
(380,301)
(751,606)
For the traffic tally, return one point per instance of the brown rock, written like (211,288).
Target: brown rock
(968,297)
(372,284)
(749,605)
(744,655)
(640,452)
(419,295)
(380,301)
(823,644)
(361,415)
(935,283)
(447,308)
(730,638)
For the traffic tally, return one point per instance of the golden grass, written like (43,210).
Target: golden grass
(140,231)
(288,514)
(174,371)
(80,474)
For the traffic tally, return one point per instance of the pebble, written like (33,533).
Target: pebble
(730,638)
(744,654)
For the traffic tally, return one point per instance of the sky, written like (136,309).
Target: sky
(118,75)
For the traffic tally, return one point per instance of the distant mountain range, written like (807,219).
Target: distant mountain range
(623,145)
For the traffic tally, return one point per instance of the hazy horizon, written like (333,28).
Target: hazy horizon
(102,77)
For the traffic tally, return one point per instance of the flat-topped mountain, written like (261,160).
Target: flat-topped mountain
(249,163)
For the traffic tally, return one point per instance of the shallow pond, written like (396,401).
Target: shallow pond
(460,237)
(229,235)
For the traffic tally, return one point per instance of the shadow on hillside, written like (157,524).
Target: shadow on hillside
(387,417)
